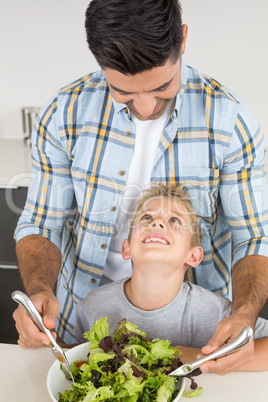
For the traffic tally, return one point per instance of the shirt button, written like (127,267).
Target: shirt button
(103,246)
(128,133)
(122,172)
(113,208)
(93,280)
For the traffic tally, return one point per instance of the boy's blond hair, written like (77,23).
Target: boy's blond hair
(179,194)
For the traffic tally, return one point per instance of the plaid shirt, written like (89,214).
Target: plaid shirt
(82,147)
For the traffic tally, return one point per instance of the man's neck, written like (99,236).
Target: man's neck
(148,289)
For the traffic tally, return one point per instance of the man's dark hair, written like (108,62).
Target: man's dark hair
(132,36)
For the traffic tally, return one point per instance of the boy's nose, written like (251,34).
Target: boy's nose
(157,224)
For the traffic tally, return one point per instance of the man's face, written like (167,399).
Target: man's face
(162,233)
(146,94)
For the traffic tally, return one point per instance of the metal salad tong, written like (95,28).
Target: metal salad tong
(245,336)
(30,308)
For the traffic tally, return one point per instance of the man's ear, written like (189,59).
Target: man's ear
(196,257)
(185,32)
(125,250)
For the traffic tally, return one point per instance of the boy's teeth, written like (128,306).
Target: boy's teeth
(156,239)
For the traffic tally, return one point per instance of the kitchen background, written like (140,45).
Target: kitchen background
(43,47)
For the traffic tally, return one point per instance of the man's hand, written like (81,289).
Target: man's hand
(29,334)
(226,331)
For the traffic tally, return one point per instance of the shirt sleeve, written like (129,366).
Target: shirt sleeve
(244,190)
(261,328)
(50,194)
(79,322)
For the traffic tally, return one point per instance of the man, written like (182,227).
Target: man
(145,117)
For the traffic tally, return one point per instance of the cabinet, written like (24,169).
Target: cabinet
(12,201)
(15,166)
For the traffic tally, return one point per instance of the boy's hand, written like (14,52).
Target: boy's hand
(29,334)
(227,330)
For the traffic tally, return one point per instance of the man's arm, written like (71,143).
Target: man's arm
(244,196)
(250,286)
(39,262)
(250,290)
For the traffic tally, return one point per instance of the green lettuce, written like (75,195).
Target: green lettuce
(98,394)
(124,367)
(98,331)
(162,350)
(166,390)
(194,393)
(143,355)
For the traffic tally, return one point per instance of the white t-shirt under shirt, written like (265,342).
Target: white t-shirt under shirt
(148,135)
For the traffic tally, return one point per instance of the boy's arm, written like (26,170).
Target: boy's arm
(188,354)
(259,363)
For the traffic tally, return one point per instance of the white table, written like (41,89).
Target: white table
(23,375)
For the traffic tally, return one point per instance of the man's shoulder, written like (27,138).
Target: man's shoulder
(209,86)
(219,104)
(82,94)
(92,82)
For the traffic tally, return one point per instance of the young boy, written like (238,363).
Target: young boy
(164,240)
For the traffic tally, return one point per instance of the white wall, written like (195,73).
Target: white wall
(43,47)
(228,40)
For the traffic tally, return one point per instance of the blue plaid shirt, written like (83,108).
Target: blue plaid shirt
(82,147)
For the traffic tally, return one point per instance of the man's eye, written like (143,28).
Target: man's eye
(124,93)
(164,88)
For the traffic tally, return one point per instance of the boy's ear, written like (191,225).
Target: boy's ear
(125,250)
(196,257)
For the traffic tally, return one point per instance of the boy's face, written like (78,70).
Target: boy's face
(162,233)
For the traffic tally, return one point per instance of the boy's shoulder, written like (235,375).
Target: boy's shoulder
(201,296)
(103,292)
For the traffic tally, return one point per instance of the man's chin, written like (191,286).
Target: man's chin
(153,116)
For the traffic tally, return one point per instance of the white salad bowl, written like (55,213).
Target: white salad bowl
(56,381)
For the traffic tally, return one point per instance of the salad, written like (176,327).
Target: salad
(124,367)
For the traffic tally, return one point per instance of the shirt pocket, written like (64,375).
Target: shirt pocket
(203,187)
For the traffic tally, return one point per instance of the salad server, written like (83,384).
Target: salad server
(245,336)
(22,299)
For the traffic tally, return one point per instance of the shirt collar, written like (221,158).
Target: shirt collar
(119,106)
(184,79)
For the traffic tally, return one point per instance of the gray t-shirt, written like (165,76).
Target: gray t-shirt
(189,319)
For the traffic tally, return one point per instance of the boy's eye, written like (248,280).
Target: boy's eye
(175,220)
(146,217)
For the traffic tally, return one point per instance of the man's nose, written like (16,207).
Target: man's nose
(145,104)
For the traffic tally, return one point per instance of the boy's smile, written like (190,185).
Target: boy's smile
(155,238)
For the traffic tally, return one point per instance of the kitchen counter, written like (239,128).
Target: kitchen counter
(23,374)
(15,163)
